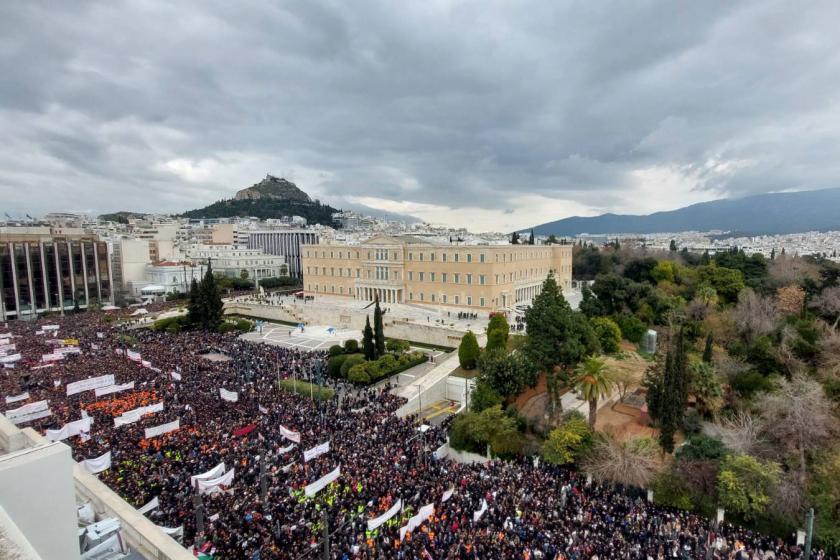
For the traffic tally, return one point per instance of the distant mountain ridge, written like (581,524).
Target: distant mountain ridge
(764,214)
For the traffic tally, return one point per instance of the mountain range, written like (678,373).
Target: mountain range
(763,214)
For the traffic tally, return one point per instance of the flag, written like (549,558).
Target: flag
(244,431)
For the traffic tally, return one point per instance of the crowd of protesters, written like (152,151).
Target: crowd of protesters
(528,511)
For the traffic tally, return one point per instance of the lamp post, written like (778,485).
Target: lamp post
(198,507)
(810,534)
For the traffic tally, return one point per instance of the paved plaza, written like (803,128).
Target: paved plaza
(307,338)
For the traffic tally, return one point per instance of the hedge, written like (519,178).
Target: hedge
(386,366)
(351,361)
(304,388)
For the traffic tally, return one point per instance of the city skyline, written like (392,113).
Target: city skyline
(488,114)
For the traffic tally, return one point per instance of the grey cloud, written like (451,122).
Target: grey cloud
(460,104)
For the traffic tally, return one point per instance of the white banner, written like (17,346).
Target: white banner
(447,495)
(98,464)
(376,522)
(231,396)
(51,357)
(215,484)
(263,409)
(175,533)
(322,482)
(68,350)
(425,513)
(154,503)
(100,391)
(286,449)
(477,515)
(316,451)
(289,434)
(11,358)
(32,416)
(215,472)
(133,356)
(88,384)
(175,376)
(75,428)
(14,413)
(162,429)
(133,415)
(6,346)
(49,328)
(146,364)
(17,398)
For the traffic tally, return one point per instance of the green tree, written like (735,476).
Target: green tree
(727,282)
(531,238)
(468,351)
(707,391)
(368,346)
(663,272)
(484,396)
(568,441)
(507,374)
(552,239)
(589,304)
(745,484)
(608,334)
(557,336)
(594,382)
(195,309)
(497,332)
(378,330)
(708,350)
(673,245)
(514,240)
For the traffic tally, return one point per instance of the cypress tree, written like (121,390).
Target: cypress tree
(674,393)
(367,341)
(194,307)
(531,238)
(211,301)
(707,351)
(378,330)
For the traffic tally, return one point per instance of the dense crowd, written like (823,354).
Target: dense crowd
(532,511)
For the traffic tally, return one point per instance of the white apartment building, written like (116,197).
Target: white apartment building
(237,261)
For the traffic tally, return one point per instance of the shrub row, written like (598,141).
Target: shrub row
(386,366)
(304,388)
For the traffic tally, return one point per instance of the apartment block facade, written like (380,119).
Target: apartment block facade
(416,271)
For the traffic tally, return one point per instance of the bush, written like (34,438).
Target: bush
(608,333)
(631,327)
(497,332)
(566,442)
(279,282)
(468,351)
(747,383)
(385,366)
(484,396)
(349,362)
(305,389)
(225,328)
(692,422)
(351,346)
(170,324)
(699,447)
(671,490)
(335,350)
(358,374)
(244,325)
(334,365)
(396,345)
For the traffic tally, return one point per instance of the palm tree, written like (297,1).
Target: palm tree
(593,380)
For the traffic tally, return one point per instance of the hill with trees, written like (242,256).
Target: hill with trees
(270,198)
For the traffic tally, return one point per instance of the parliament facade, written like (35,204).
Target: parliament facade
(411,270)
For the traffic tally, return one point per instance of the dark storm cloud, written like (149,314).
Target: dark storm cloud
(485,110)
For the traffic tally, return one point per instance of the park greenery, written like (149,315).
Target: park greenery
(377,358)
(743,391)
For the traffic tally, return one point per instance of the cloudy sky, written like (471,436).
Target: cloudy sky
(490,114)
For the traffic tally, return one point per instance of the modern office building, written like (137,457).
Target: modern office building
(46,269)
(404,269)
(286,242)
